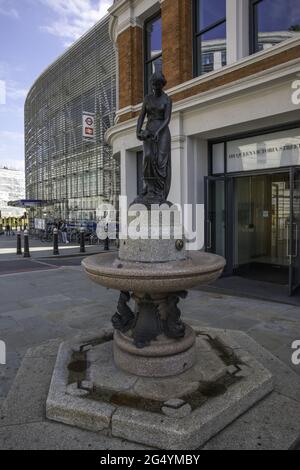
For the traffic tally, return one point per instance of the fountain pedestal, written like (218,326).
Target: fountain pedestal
(164,358)
(152,340)
(154,379)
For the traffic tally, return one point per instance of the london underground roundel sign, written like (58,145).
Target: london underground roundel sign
(89,121)
(88,126)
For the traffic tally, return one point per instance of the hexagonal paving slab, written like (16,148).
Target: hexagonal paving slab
(183,412)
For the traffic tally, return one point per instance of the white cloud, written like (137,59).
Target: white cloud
(12,149)
(7,10)
(12,111)
(11,135)
(2,92)
(14,92)
(74,17)
(7,70)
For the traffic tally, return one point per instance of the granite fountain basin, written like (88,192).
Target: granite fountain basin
(173,276)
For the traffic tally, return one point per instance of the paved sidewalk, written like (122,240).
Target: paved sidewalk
(39,250)
(39,306)
(242,287)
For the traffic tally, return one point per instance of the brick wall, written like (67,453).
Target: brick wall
(177,52)
(177,41)
(231,77)
(177,58)
(131,71)
(243,72)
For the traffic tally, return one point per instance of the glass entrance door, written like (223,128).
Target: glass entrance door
(254,222)
(215,235)
(218,223)
(261,227)
(294,232)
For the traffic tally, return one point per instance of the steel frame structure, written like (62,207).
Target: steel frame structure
(74,174)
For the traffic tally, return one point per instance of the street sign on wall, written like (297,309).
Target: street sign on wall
(274,150)
(88,126)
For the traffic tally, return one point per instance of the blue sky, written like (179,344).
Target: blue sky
(33,33)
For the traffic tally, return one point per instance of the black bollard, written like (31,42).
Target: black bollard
(55,242)
(106,244)
(19,242)
(82,240)
(26,244)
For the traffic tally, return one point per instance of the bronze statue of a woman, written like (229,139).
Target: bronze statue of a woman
(157,107)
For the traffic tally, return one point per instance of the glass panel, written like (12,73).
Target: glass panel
(153,48)
(207,60)
(154,38)
(261,213)
(278,149)
(211,49)
(154,66)
(224,57)
(280,218)
(218,158)
(277,20)
(219,218)
(216,217)
(219,32)
(209,12)
(295,233)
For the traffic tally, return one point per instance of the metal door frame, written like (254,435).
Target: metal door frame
(228,205)
(293,238)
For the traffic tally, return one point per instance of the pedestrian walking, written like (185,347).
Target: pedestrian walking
(64,232)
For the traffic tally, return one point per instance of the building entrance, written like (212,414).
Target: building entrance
(262,217)
(254,221)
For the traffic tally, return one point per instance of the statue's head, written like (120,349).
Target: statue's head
(158,81)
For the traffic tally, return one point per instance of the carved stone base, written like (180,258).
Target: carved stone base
(165,357)
(180,412)
(155,315)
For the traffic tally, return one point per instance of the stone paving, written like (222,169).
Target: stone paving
(39,249)
(56,304)
(39,306)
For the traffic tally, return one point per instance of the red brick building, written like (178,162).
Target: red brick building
(232,69)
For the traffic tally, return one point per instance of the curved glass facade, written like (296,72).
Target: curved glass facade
(71,173)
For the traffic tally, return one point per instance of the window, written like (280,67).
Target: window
(153,49)
(223,57)
(209,35)
(207,62)
(273,21)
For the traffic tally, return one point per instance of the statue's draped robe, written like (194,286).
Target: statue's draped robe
(157,155)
